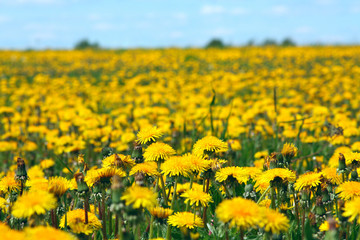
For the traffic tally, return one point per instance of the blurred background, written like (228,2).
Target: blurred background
(65,24)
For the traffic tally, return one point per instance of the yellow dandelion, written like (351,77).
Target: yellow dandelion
(209,144)
(307,180)
(226,173)
(139,197)
(47,163)
(148,168)
(38,184)
(58,185)
(197,197)
(234,144)
(9,234)
(265,203)
(118,161)
(76,222)
(325,226)
(352,158)
(35,172)
(273,221)
(102,175)
(8,183)
(348,190)
(331,175)
(352,209)
(160,212)
(3,203)
(239,212)
(148,135)
(176,166)
(289,150)
(47,233)
(274,175)
(183,187)
(185,220)
(158,152)
(261,154)
(197,163)
(33,202)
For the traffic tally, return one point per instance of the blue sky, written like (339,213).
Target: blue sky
(160,23)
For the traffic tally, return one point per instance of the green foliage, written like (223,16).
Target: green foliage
(215,43)
(85,44)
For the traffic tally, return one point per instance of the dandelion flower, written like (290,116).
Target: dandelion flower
(47,163)
(35,172)
(348,190)
(307,180)
(58,185)
(9,234)
(183,187)
(118,161)
(197,163)
(158,152)
(37,184)
(289,150)
(34,202)
(47,233)
(325,226)
(276,175)
(239,212)
(160,212)
(8,184)
(140,197)
(273,221)
(331,175)
(352,158)
(209,144)
(148,168)
(229,173)
(197,197)
(176,166)
(185,220)
(352,209)
(148,135)
(76,222)
(102,175)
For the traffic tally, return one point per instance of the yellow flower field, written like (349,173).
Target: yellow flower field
(234,143)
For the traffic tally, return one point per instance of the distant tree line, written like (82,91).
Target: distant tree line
(86,44)
(218,43)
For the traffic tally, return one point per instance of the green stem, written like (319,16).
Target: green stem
(191,183)
(151,227)
(65,227)
(272,192)
(263,195)
(168,230)
(163,189)
(103,213)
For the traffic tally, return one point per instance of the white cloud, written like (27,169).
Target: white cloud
(23,2)
(176,34)
(279,10)
(325,2)
(103,26)
(180,16)
(4,19)
(212,9)
(238,11)
(222,31)
(303,30)
(94,17)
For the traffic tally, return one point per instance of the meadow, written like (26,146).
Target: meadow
(234,143)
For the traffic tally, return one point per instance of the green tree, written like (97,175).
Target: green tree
(215,43)
(85,44)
